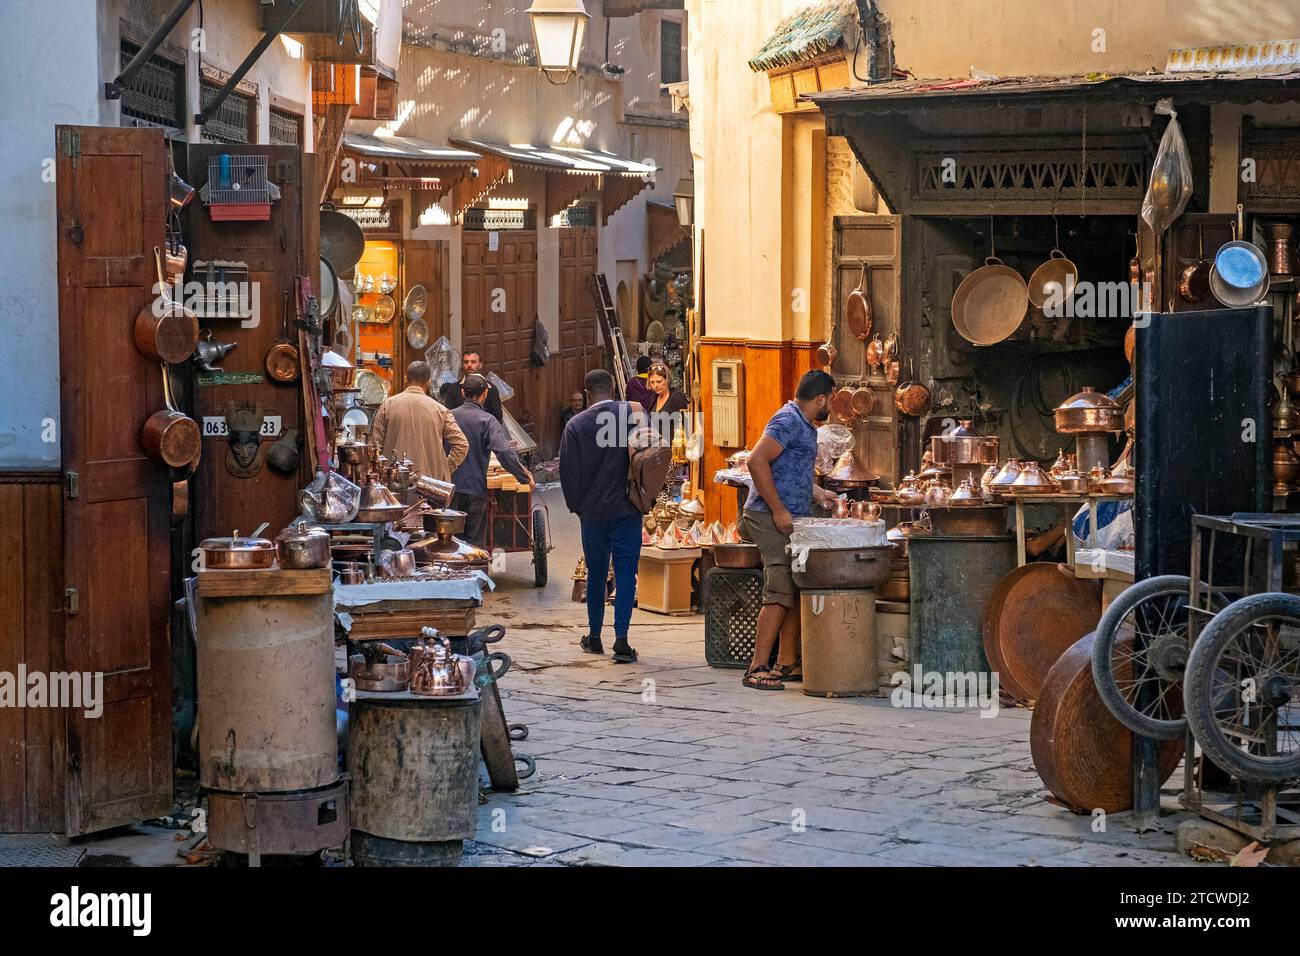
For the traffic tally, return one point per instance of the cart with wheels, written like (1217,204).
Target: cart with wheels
(516,523)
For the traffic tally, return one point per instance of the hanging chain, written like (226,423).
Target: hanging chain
(1083,168)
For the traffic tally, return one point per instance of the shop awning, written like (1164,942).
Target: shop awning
(405,149)
(812,32)
(663,230)
(403,162)
(1205,87)
(571,170)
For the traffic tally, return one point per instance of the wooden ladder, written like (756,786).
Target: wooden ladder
(611,332)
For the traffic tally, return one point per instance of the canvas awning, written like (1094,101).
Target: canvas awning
(572,170)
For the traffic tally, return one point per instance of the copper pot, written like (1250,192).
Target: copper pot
(1280,259)
(166,331)
(352,572)
(237,554)
(1194,280)
(737,555)
(912,398)
(1088,411)
(1032,481)
(1286,466)
(1117,485)
(302,546)
(1072,482)
(863,401)
(171,438)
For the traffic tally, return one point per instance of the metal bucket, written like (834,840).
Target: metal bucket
(839,643)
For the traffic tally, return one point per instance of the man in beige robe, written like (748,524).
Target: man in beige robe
(414,425)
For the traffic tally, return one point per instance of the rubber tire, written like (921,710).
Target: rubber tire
(1198,684)
(1103,646)
(539,548)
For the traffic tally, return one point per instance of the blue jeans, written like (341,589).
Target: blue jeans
(621,539)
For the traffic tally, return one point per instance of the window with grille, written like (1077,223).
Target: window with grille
(286,127)
(156,96)
(233,121)
(670,52)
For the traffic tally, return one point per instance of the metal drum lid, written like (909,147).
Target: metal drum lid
(1082,753)
(1032,617)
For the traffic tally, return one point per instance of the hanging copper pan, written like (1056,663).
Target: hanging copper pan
(912,398)
(165,331)
(842,404)
(170,437)
(857,310)
(863,402)
(875,353)
(1194,280)
(990,303)
(282,361)
(1052,281)
(1083,754)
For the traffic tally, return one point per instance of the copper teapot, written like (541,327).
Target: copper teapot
(435,670)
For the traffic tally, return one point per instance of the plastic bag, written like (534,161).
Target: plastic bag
(1171,175)
(444,360)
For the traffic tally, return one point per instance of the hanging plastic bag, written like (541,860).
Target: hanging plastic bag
(1171,175)
(444,361)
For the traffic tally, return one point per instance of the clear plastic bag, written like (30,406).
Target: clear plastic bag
(444,361)
(1170,187)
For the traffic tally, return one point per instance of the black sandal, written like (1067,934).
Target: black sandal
(591,645)
(755,680)
(787,672)
(624,653)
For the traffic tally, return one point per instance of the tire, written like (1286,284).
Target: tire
(539,548)
(1208,679)
(1150,591)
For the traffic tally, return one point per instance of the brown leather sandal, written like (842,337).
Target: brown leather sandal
(761,678)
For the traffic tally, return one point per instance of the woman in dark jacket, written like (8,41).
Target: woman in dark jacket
(669,403)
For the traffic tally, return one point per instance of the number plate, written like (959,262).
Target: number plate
(214,426)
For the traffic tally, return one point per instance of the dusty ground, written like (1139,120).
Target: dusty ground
(671,762)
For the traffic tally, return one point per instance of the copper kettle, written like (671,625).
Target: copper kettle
(435,670)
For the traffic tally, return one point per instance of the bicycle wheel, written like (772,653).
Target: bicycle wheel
(1143,688)
(1242,690)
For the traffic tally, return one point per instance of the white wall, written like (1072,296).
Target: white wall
(45,88)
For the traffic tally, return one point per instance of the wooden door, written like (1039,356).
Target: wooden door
(577,351)
(112,191)
(424,262)
(873,241)
(498,308)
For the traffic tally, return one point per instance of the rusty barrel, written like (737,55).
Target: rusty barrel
(952,578)
(266,686)
(838,629)
(414,766)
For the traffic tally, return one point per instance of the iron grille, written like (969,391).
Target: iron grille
(574,217)
(156,96)
(670,51)
(286,127)
(232,122)
(498,220)
(366,218)
(1109,173)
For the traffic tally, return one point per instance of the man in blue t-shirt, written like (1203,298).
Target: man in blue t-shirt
(781,466)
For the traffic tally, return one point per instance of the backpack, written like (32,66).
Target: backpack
(650,459)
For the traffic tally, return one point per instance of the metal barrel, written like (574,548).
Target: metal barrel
(951,580)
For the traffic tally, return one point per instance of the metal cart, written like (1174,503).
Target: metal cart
(515,523)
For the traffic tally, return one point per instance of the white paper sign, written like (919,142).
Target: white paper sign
(494,241)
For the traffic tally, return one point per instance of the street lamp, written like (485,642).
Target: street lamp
(558,26)
(684,199)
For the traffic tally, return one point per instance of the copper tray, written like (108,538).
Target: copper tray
(1032,617)
(1083,754)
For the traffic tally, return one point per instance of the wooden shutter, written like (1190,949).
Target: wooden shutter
(111,214)
(424,262)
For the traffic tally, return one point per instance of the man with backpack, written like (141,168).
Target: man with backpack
(610,461)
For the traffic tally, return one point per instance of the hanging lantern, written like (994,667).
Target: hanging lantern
(558,26)
(684,199)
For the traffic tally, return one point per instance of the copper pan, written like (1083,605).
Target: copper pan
(863,401)
(1194,280)
(990,303)
(170,437)
(857,310)
(842,404)
(1053,279)
(165,331)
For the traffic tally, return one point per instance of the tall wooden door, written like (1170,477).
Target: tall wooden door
(498,308)
(577,351)
(111,216)
(873,242)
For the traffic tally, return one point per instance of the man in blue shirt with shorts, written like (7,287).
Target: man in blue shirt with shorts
(781,466)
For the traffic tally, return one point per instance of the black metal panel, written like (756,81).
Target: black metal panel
(1203,393)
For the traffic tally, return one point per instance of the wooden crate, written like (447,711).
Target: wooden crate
(664,579)
(266,582)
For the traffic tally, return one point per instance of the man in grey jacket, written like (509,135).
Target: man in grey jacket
(486,437)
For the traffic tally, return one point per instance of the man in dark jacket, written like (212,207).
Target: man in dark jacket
(486,437)
(471,363)
(638,389)
(593,476)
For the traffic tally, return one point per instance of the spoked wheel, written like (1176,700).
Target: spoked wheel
(1144,688)
(539,548)
(1242,692)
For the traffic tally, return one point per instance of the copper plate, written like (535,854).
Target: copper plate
(1082,753)
(1033,615)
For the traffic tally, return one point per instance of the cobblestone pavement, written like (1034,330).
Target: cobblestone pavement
(669,762)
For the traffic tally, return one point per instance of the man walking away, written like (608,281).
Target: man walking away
(781,466)
(486,437)
(593,475)
(411,423)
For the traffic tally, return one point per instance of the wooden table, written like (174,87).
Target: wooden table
(1063,500)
